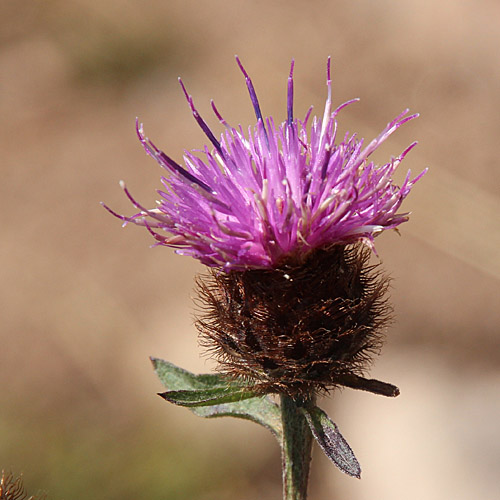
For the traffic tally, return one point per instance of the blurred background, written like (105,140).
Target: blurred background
(85,302)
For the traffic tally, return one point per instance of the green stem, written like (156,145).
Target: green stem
(295,449)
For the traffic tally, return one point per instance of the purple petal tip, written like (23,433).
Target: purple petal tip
(280,189)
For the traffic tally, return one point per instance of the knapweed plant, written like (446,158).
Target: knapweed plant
(285,217)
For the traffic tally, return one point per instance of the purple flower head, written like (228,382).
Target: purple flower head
(253,198)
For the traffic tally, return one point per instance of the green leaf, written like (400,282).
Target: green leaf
(330,440)
(175,378)
(207,397)
(259,409)
(214,395)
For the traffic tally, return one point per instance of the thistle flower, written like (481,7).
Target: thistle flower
(287,218)
(274,192)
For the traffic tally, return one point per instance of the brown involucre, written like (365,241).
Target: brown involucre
(308,325)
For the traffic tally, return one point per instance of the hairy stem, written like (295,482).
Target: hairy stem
(296,450)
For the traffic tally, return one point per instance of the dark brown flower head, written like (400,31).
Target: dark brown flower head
(309,325)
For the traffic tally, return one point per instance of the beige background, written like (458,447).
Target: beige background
(84,302)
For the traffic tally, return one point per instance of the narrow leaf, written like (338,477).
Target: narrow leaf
(175,378)
(224,396)
(207,397)
(370,385)
(260,410)
(330,440)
